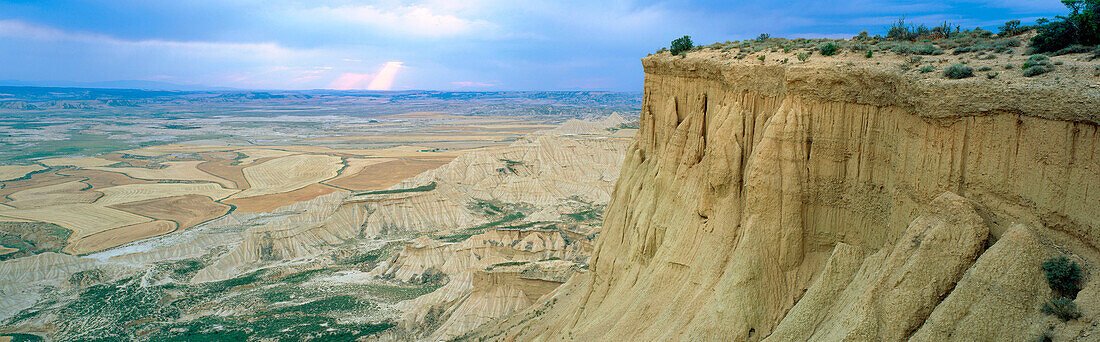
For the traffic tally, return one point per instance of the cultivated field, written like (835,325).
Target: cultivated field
(118,196)
(289,173)
(9,172)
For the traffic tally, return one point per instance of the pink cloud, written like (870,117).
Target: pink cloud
(350,80)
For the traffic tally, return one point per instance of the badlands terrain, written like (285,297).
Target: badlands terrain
(263,220)
(847,197)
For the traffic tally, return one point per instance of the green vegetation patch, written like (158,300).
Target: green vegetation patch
(958,71)
(304,276)
(592,214)
(296,327)
(30,238)
(1063,275)
(422,188)
(395,293)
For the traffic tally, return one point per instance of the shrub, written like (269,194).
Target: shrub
(868,54)
(900,31)
(1062,307)
(762,58)
(803,56)
(1063,275)
(829,49)
(1053,36)
(927,69)
(985,68)
(958,71)
(763,37)
(1075,48)
(991,75)
(916,49)
(681,45)
(1082,26)
(1011,28)
(943,31)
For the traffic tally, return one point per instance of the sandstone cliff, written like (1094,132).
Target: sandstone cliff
(836,202)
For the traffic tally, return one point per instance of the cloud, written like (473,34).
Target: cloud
(21,30)
(413,20)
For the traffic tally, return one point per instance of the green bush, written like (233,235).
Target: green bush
(1053,36)
(802,57)
(958,71)
(1082,26)
(1011,28)
(681,45)
(829,49)
(1062,307)
(1037,70)
(1063,275)
(1037,65)
(927,69)
(869,54)
(900,31)
(763,37)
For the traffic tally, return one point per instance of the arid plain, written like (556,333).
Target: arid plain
(264,193)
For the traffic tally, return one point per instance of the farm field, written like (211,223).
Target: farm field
(108,196)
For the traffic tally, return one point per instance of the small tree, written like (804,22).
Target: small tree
(681,45)
(829,49)
(1010,28)
(1063,275)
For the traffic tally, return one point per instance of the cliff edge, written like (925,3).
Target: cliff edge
(837,201)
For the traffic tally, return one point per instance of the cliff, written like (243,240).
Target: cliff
(826,201)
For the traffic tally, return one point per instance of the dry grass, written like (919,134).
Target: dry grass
(264,203)
(51,195)
(35,180)
(289,173)
(77,162)
(82,219)
(387,174)
(142,192)
(102,179)
(180,170)
(9,172)
(187,211)
(118,236)
(254,155)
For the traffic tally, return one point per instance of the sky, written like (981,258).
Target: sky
(463,45)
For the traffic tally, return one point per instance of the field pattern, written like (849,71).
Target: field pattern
(82,219)
(289,173)
(52,195)
(9,172)
(114,237)
(179,171)
(186,211)
(141,192)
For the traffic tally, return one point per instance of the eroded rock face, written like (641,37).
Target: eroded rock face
(807,203)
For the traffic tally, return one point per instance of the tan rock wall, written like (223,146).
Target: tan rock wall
(742,181)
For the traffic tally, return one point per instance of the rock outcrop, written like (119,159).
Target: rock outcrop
(826,203)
